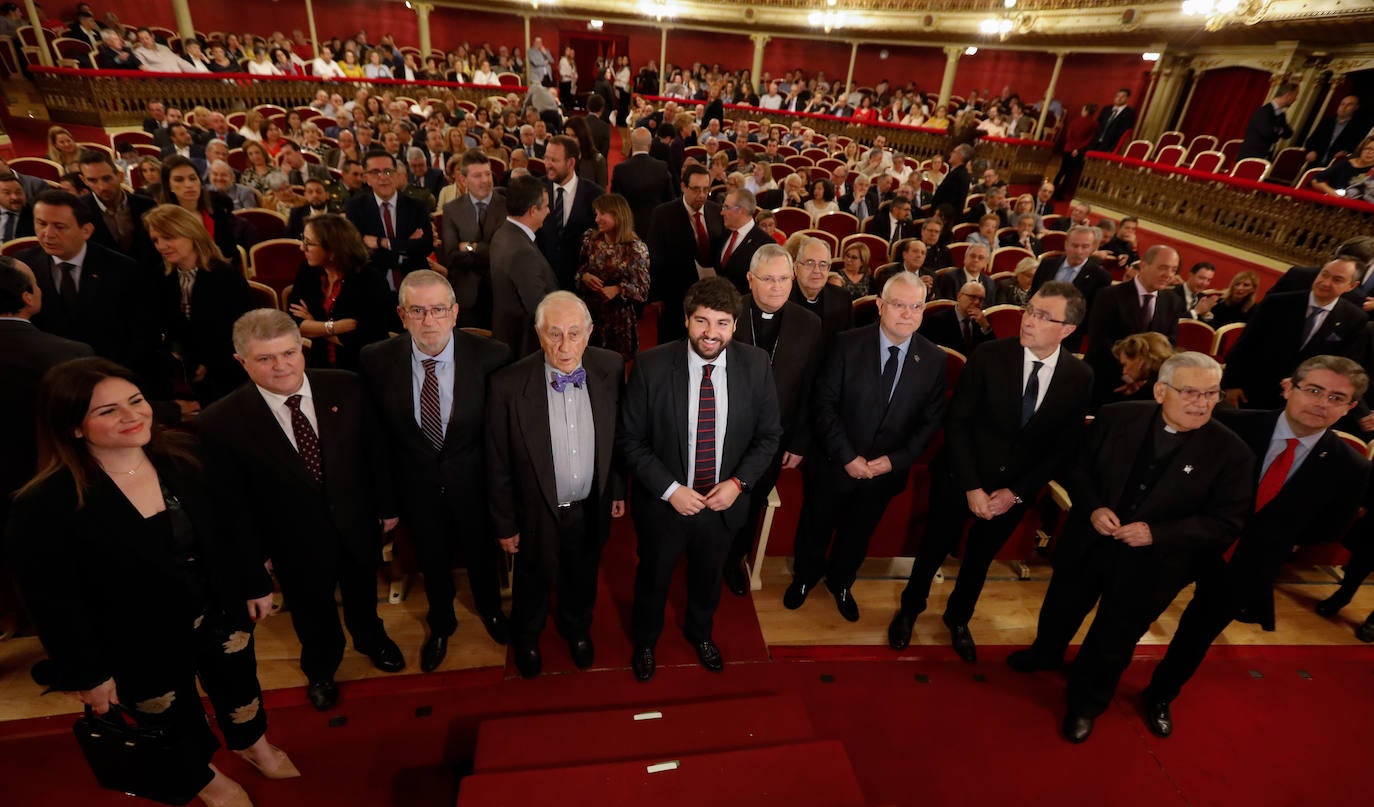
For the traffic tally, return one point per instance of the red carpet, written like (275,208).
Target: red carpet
(928,730)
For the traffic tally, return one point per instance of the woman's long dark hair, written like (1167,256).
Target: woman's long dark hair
(64,398)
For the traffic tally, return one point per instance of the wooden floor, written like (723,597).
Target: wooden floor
(1006,616)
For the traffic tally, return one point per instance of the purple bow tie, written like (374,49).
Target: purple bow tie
(577,378)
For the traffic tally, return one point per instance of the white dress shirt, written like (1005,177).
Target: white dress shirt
(443,371)
(277,404)
(1046,372)
(720,388)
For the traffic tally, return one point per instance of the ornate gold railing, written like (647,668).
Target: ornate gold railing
(121,98)
(1293,225)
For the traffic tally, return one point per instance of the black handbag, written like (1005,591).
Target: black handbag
(150,761)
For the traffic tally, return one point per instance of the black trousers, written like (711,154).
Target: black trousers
(664,538)
(1361,563)
(577,563)
(1070,170)
(309,594)
(743,541)
(436,531)
(845,510)
(949,514)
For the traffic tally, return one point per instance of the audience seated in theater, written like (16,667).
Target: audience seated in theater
(964,326)
(1016,290)
(854,276)
(974,270)
(1140,356)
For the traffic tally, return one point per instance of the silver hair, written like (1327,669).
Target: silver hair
(1080,203)
(745,199)
(1188,358)
(808,242)
(1081,228)
(263,324)
(904,278)
(415,152)
(421,278)
(766,253)
(554,298)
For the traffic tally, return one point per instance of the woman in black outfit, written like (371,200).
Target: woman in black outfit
(116,552)
(341,305)
(181,185)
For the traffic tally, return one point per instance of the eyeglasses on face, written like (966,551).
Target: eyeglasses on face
(1041,315)
(382,172)
(419,312)
(1317,393)
(814,264)
(1193,394)
(773,280)
(902,308)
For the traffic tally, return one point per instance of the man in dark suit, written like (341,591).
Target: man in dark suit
(218,128)
(301,493)
(792,337)
(297,170)
(317,203)
(893,221)
(953,190)
(601,130)
(1309,486)
(1138,306)
(684,239)
(16,214)
(812,291)
(963,327)
(421,175)
(436,155)
(156,122)
(643,181)
(994,203)
(468,224)
(694,481)
(1157,486)
(1015,421)
(1114,121)
(877,404)
(395,228)
(427,387)
(554,485)
(742,238)
(86,29)
(862,200)
(116,215)
(1287,329)
(180,142)
(1361,247)
(947,285)
(1076,266)
(1268,125)
(520,276)
(570,209)
(1337,136)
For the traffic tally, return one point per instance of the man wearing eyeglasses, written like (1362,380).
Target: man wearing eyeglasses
(1015,421)
(877,404)
(792,337)
(396,229)
(684,238)
(741,238)
(816,294)
(1310,483)
(964,327)
(429,385)
(1140,305)
(1157,486)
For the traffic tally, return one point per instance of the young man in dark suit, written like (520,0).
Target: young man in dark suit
(1137,306)
(684,239)
(294,469)
(570,209)
(1157,486)
(698,427)
(553,480)
(1286,329)
(877,404)
(395,228)
(436,457)
(953,190)
(812,291)
(1113,121)
(893,221)
(468,224)
(520,276)
(741,239)
(792,337)
(116,215)
(1269,124)
(1310,483)
(643,181)
(1015,421)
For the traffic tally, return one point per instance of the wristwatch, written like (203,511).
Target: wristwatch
(470,248)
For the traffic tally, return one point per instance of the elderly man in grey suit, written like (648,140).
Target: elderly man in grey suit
(520,275)
(468,225)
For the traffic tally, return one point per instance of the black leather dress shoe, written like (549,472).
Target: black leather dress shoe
(582,652)
(498,628)
(962,640)
(795,595)
(323,695)
(1266,623)
(736,580)
(709,655)
(844,601)
(1157,717)
(1365,632)
(528,661)
(1332,605)
(643,663)
(1026,661)
(899,631)
(1077,728)
(386,656)
(432,652)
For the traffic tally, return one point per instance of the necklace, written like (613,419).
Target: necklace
(134,469)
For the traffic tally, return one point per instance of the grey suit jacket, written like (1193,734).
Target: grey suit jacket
(520,277)
(460,224)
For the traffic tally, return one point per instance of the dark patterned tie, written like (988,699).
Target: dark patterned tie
(704,477)
(1032,392)
(307,442)
(557,211)
(431,421)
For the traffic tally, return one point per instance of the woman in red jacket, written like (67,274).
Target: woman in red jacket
(1079,135)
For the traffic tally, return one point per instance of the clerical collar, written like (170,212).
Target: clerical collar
(765,314)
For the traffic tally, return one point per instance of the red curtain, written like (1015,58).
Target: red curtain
(1224,101)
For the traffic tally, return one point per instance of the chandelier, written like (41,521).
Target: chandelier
(828,19)
(658,9)
(999,26)
(1218,13)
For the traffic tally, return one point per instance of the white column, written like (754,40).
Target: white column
(756,70)
(853,57)
(1049,93)
(310,24)
(182,10)
(44,53)
(952,54)
(526,18)
(1146,110)
(663,60)
(422,11)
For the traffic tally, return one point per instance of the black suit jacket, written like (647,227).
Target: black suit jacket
(108,59)
(1269,348)
(364,297)
(1091,279)
(853,419)
(142,248)
(270,505)
(433,181)
(406,254)
(1300,278)
(460,223)
(673,255)
(24,227)
(1198,504)
(231,138)
(652,437)
(979,211)
(736,270)
(601,132)
(881,226)
(795,359)
(1115,315)
(520,465)
(26,353)
(218,298)
(645,183)
(947,286)
(872,199)
(562,245)
(1109,130)
(1320,140)
(832,305)
(420,482)
(295,222)
(987,447)
(1266,127)
(942,327)
(953,190)
(520,277)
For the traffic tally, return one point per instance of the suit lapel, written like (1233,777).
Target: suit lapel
(737,385)
(266,423)
(599,388)
(533,418)
(400,388)
(681,388)
(906,381)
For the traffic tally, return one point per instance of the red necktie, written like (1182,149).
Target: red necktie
(386,222)
(704,474)
(1277,472)
(703,240)
(729,249)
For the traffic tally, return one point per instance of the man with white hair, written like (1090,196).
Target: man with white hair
(816,294)
(221,178)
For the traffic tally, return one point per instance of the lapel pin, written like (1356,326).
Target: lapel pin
(1187,469)
(1322,455)
(334,409)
